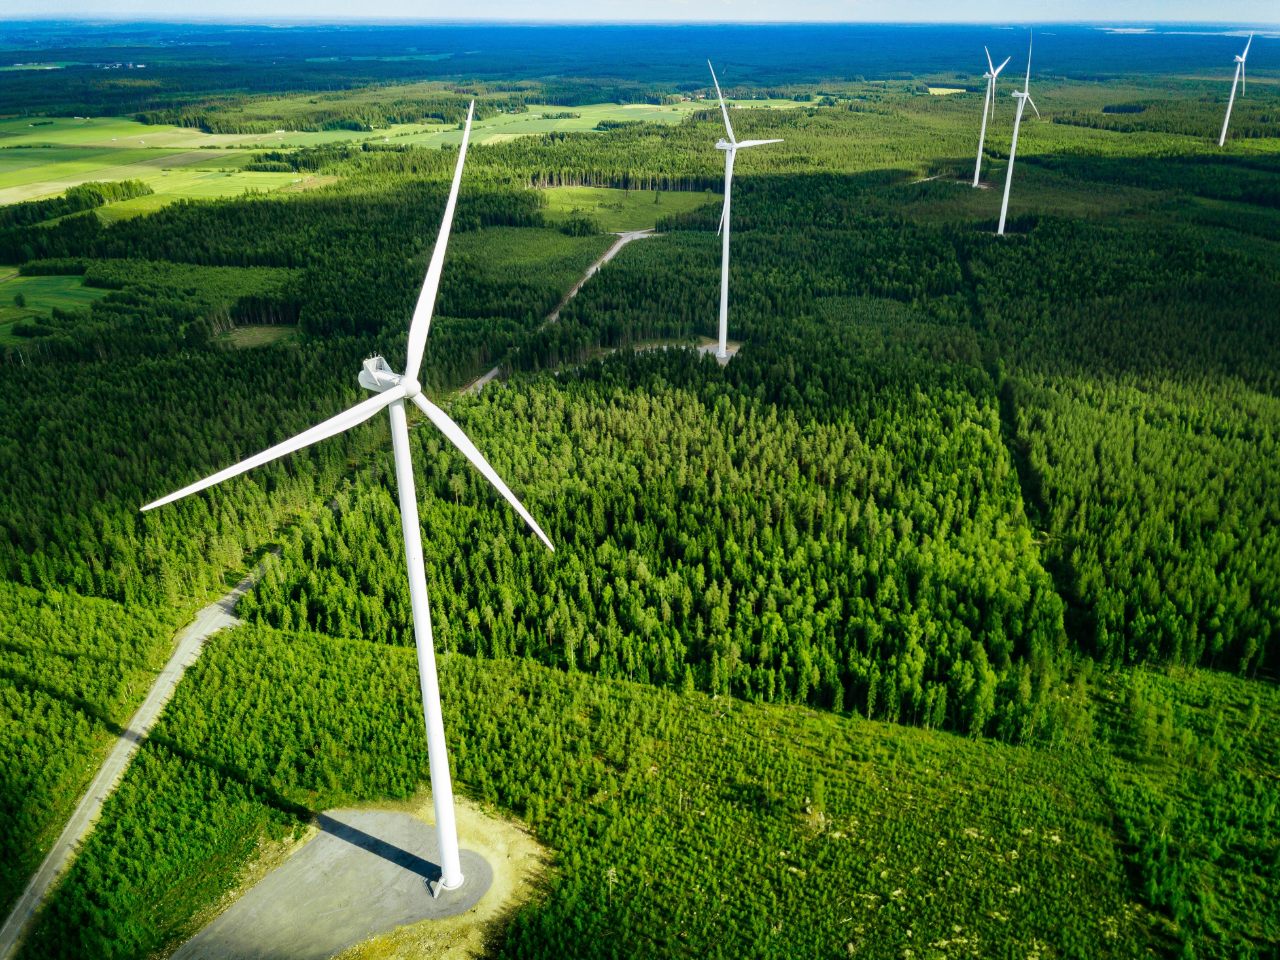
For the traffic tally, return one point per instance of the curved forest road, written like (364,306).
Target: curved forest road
(476,385)
(216,616)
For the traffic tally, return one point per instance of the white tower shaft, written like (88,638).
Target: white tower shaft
(437,754)
(722,348)
(1226,121)
(1013,152)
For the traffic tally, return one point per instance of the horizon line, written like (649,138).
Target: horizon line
(532,21)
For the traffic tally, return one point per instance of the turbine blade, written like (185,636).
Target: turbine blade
(1003,65)
(742,145)
(464,444)
(421,322)
(1249,44)
(990,65)
(720,228)
(334,425)
(728,127)
(1033,106)
(1030,43)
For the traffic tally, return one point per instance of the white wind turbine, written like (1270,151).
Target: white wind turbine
(1023,97)
(1240,79)
(391,391)
(730,148)
(988,104)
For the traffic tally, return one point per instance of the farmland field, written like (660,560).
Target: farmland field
(181,162)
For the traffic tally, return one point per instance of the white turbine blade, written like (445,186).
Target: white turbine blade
(463,443)
(1033,106)
(1030,43)
(1003,65)
(728,127)
(334,425)
(990,65)
(1245,55)
(421,322)
(742,145)
(720,227)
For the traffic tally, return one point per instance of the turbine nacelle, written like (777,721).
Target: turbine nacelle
(723,144)
(377,376)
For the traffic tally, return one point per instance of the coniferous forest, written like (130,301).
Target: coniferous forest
(942,621)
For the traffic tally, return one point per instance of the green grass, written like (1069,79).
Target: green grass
(28,174)
(622,210)
(42,295)
(263,335)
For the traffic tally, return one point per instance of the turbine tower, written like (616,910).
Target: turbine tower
(730,148)
(391,391)
(1240,79)
(1023,97)
(988,103)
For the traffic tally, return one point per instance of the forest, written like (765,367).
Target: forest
(944,618)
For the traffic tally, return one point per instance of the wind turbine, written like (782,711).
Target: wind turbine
(1240,79)
(1023,97)
(391,391)
(988,103)
(730,148)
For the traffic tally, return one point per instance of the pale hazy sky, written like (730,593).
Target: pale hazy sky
(990,11)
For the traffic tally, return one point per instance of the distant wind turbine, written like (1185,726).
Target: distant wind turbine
(391,391)
(730,148)
(988,103)
(1241,80)
(1023,97)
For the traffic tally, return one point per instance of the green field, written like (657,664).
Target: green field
(621,210)
(41,294)
(30,174)
(262,335)
(41,159)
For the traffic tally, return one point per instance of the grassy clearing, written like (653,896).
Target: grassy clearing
(622,210)
(42,172)
(264,335)
(41,295)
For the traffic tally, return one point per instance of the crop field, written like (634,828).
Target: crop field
(621,210)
